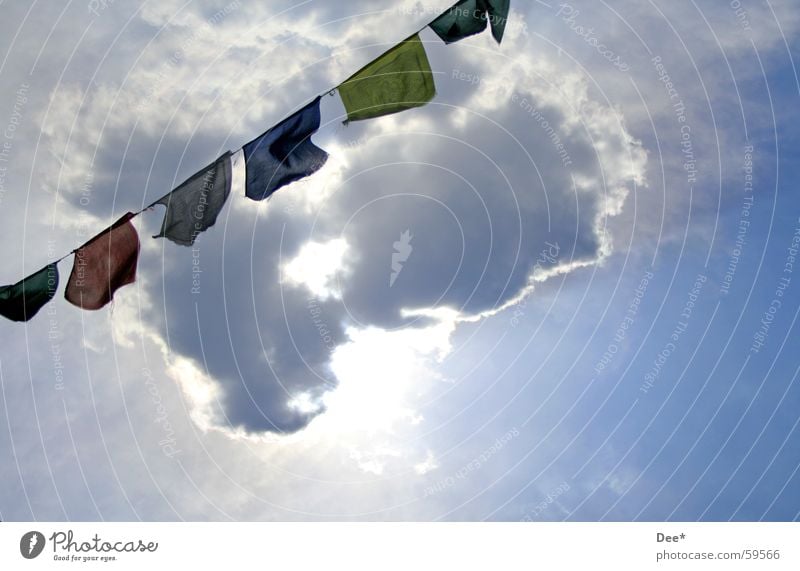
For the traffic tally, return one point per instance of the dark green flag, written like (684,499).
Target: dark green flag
(398,80)
(469,17)
(23,300)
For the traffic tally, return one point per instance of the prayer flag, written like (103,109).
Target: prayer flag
(193,207)
(238,173)
(398,80)
(469,17)
(23,300)
(284,154)
(103,265)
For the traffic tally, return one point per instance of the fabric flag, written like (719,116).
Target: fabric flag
(398,80)
(469,17)
(238,173)
(284,154)
(103,265)
(193,207)
(23,300)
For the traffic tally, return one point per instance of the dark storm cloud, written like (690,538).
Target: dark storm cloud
(480,217)
(255,338)
(477,231)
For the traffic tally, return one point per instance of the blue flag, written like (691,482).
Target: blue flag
(284,154)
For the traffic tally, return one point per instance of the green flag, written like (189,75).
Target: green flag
(23,300)
(398,80)
(469,17)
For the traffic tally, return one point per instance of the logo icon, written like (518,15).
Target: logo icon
(31,544)
(401,254)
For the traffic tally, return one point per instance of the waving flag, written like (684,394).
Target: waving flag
(469,17)
(193,207)
(103,265)
(398,80)
(284,154)
(23,300)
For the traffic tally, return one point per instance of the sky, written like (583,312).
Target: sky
(565,289)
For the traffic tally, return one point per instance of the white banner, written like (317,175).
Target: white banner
(398,546)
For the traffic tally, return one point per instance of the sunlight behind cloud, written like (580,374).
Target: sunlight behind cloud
(317,266)
(381,373)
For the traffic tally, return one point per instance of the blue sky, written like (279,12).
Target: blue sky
(560,342)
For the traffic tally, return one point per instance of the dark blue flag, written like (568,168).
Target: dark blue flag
(284,154)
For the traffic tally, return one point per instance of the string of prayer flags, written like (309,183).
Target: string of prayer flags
(284,154)
(469,17)
(24,299)
(193,207)
(103,265)
(398,80)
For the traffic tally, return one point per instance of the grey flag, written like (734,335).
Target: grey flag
(193,207)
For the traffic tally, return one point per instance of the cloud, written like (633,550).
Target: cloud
(503,182)
(317,266)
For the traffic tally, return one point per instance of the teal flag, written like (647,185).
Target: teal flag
(23,300)
(470,17)
(398,80)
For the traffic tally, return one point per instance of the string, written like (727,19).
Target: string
(330,92)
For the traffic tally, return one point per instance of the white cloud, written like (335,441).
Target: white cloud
(317,267)
(428,465)
(380,375)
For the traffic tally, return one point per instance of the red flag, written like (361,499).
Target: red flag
(103,265)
